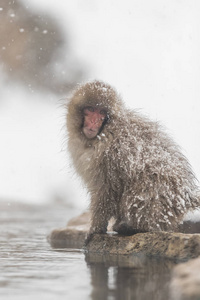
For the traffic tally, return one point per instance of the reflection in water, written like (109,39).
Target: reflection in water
(133,277)
(31,268)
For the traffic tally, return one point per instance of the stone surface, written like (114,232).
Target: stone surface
(162,244)
(185,283)
(74,235)
(81,220)
(190,227)
(177,246)
(69,237)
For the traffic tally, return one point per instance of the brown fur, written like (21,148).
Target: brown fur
(133,171)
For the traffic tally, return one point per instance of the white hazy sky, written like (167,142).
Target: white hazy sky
(148,50)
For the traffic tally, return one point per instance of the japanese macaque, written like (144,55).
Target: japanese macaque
(134,172)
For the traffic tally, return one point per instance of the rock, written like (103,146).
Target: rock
(81,220)
(190,227)
(69,237)
(185,283)
(74,235)
(170,245)
(161,244)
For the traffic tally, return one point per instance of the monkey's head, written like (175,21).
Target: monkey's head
(92,107)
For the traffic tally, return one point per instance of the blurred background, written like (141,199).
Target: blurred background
(148,50)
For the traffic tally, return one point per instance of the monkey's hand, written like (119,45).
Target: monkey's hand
(92,233)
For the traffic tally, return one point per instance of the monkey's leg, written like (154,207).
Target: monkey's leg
(99,223)
(99,220)
(96,228)
(125,224)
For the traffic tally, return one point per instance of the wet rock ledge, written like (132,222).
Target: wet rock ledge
(178,246)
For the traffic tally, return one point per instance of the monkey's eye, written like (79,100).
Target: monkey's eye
(90,108)
(103,112)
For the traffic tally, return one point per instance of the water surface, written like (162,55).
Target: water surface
(31,269)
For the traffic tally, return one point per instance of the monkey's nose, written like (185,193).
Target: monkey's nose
(95,121)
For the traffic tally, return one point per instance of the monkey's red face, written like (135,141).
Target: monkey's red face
(93,121)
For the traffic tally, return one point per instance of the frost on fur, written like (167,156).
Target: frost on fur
(133,170)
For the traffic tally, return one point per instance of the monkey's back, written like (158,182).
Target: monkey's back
(159,186)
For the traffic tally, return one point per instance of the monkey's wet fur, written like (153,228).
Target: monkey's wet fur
(133,170)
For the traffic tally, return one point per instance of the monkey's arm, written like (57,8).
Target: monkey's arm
(100,216)
(97,227)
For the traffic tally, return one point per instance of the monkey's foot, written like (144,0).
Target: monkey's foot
(123,228)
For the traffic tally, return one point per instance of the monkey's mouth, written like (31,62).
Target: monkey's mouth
(90,133)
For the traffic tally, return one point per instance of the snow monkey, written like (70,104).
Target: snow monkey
(133,171)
